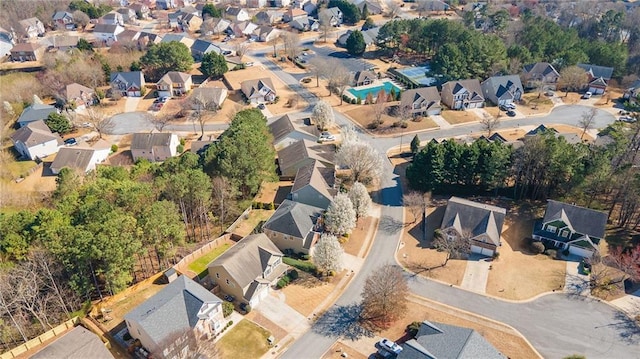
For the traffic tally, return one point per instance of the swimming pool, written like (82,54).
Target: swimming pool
(362,93)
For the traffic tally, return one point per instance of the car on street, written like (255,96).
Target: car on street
(627,119)
(587,95)
(326,137)
(390,346)
(511,113)
(70,141)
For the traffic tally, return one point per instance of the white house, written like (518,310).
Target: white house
(107,33)
(154,147)
(35,140)
(82,158)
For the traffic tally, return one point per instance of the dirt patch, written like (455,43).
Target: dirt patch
(534,104)
(363,115)
(458,117)
(271,192)
(256,216)
(307,292)
(357,239)
(571,98)
(321,90)
(342,347)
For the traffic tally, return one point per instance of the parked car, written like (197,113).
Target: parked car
(262,106)
(510,106)
(587,95)
(326,137)
(229,298)
(248,64)
(549,93)
(226,52)
(70,141)
(390,346)
(627,119)
(164,99)
(511,113)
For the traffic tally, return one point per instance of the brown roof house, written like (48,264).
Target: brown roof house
(248,269)
(154,147)
(482,223)
(26,52)
(35,140)
(422,101)
(362,78)
(80,96)
(314,185)
(462,94)
(81,158)
(294,227)
(174,83)
(213,96)
(302,153)
(259,90)
(542,73)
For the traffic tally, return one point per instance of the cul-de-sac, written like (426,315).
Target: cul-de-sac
(321,179)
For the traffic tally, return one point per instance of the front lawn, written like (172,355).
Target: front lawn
(245,340)
(200,265)
(457,117)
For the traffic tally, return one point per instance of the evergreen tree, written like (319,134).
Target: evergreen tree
(415,144)
(58,123)
(355,43)
(213,65)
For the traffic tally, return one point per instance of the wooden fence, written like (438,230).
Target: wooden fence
(35,342)
(240,218)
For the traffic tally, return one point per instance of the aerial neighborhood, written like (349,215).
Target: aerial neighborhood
(319,179)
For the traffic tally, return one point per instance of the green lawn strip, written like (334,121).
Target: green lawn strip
(200,265)
(245,340)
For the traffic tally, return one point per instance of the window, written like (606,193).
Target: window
(565,233)
(551,228)
(228,283)
(218,275)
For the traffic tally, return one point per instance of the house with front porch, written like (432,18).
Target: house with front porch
(421,101)
(480,223)
(576,229)
(258,90)
(128,83)
(598,77)
(462,94)
(540,74)
(174,83)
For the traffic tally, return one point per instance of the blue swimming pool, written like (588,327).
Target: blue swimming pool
(362,93)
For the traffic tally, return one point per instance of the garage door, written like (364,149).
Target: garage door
(580,251)
(433,112)
(483,251)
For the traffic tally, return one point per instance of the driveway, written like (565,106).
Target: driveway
(131,104)
(476,274)
(274,308)
(630,303)
(575,282)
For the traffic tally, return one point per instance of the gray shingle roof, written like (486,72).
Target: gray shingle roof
(470,85)
(105,28)
(173,77)
(205,47)
(443,341)
(35,133)
(583,220)
(147,141)
(131,78)
(300,151)
(74,158)
(420,95)
(314,176)
(294,219)
(280,128)
(174,308)
(541,68)
(499,85)
(596,71)
(477,218)
(78,343)
(35,112)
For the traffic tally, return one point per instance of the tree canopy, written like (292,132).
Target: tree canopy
(350,12)
(213,65)
(211,10)
(58,123)
(164,57)
(355,43)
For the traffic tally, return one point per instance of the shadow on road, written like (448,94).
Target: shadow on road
(628,329)
(390,225)
(342,321)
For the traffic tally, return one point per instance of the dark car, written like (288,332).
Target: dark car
(511,113)
(70,141)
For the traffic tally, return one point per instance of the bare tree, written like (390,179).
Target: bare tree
(379,107)
(224,194)
(8,305)
(415,202)
(489,123)
(457,246)
(291,41)
(160,121)
(341,80)
(393,9)
(80,19)
(573,78)
(185,344)
(586,121)
(362,159)
(202,104)
(241,49)
(384,296)
(102,123)
(274,42)
(325,25)
(318,68)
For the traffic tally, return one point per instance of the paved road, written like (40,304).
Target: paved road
(132,122)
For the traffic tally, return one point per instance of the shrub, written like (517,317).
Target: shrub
(536,247)
(373,125)
(413,328)
(552,253)
(282,283)
(566,252)
(359,101)
(257,205)
(247,308)
(183,141)
(126,336)
(114,148)
(331,273)
(404,124)
(270,206)
(180,148)
(417,119)
(301,265)
(496,255)
(293,274)
(305,257)
(353,101)
(227,309)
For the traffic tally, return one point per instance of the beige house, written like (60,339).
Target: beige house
(174,83)
(541,74)
(154,147)
(462,94)
(248,269)
(35,140)
(80,96)
(303,153)
(294,226)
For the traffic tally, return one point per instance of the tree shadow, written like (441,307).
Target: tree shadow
(628,329)
(390,225)
(342,321)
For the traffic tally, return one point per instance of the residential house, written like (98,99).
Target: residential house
(75,343)
(191,22)
(293,14)
(165,4)
(462,94)
(540,74)
(285,132)
(266,33)
(129,83)
(63,20)
(35,140)
(302,153)
(5,48)
(314,185)
(146,38)
(599,76)
(310,8)
(216,26)
(421,101)
(306,23)
(632,94)
(243,28)
(107,33)
(502,90)
(151,4)
(203,47)
(299,3)
(332,14)
(363,78)
(569,137)
(81,158)
(80,96)
(248,269)
(235,13)
(112,18)
(32,27)
(64,42)
(214,96)
(174,83)
(141,10)
(7,41)
(259,90)
(256,4)
(128,15)
(279,3)
(154,147)
(439,340)
(182,306)
(129,39)
(481,223)
(373,6)
(369,36)
(294,227)
(35,112)
(182,38)
(569,227)
(26,52)
(269,17)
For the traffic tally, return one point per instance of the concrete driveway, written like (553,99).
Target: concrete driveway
(274,308)
(575,282)
(476,274)
(630,303)
(131,104)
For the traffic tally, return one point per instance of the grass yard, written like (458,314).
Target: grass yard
(458,117)
(532,104)
(363,115)
(200,265)
(256,216)
(245,340)
(307,292)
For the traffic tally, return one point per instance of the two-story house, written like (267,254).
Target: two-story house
(480,223)
(332,14)
(174,83)
(112,18)
(258,90)
(128,83)
(462,94)
(569,227)
(599,76)
(107,33)
(80,96)
(234,13)
(248,269)
(32,27)
(141,10)
(154,147)
(26,51)
(63,20)
(35,140)
(540,75)
(503,90)
(421,101)
(294,227)
(182,306)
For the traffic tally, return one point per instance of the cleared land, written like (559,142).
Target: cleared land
(307,292)
(199,266)
(364,114)
(256,216)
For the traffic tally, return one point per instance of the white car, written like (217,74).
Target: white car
(390,346)
(248,64)
(587,95)
(510,106)
(326,137)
